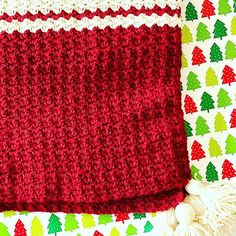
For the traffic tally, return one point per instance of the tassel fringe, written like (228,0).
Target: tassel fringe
(208,210)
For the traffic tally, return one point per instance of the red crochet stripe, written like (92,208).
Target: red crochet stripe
(158,10)
(92,120)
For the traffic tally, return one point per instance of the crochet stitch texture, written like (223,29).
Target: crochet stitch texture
(90,108)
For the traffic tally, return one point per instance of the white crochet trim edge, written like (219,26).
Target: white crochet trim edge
(86,23)
(11,7)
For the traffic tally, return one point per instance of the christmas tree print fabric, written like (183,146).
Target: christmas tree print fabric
(209,103)
(209,87)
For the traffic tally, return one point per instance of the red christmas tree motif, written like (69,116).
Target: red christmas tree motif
(19,229)
(189,105)
(227,170)
(228,75)
(198,57)
(96,233)
(208,9)
(122,217)
(197,151)
(233,119)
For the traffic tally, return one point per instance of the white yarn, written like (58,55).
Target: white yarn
(206,211)
(167,217)
(219,200)
(197,204)
(166,222)
(164,231)
(12,7)
(193,229)
(185,215)
(195,187)
(86,23)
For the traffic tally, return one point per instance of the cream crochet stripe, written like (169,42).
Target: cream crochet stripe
(11,7)
(86,23)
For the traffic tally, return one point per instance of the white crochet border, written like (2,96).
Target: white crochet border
(12,7)
(101,23)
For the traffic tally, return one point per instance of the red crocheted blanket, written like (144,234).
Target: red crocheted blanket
(90,109)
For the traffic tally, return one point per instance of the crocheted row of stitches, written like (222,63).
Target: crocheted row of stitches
(86,23)
(11,7)
(91,116)
(160,201)
(109,12)
(89,20)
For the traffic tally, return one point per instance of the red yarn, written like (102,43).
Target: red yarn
(91,121)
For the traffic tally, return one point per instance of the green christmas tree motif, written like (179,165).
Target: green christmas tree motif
(220,30)
(223,98)
(192,81)
(139,215)
(70,222)
(148,227)
(114,232)
(36,227)
(188,129)
(211,173)
(207,102)
(131,230)
(215,53)
(186,35)
(88,221)
(195,173)
(230,144)
(224,7)
(214,148)
(234,6)
(191,13)
(230,50)
(24,212)
(4,230)
(211,78)
(233,26)
(9,213)
(202,32)
(54,225)
(104,219)
(220,123)
(184,61)
(201,126)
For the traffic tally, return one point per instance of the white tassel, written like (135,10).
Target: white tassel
(207,211)
(197,204)
(165,231)
(219,200)
(195,187)
(224,229)
(166,222)
(185,215)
